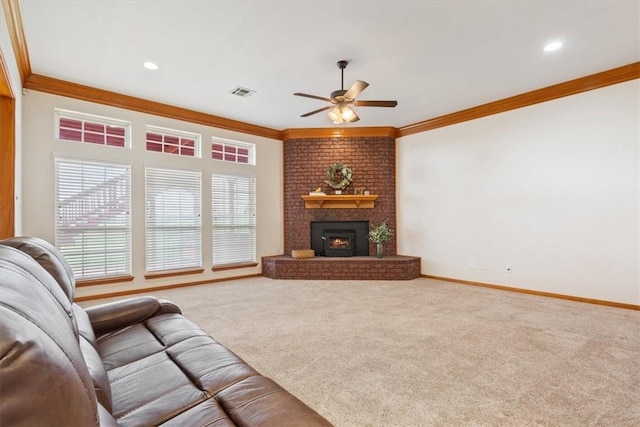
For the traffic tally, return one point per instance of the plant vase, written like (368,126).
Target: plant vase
(379,235)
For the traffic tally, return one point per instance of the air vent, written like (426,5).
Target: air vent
(242,92)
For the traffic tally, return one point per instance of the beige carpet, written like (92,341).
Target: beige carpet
(429,353)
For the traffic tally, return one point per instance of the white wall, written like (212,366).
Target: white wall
(40,146)
(16,86)
(551,190)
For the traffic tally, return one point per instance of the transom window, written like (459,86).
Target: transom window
(232,151)
(72,126)
(173,142)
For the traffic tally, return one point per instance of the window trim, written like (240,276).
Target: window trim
(105,281)
(234,266)
(172,273)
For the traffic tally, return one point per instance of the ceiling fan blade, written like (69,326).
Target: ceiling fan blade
(317,111)
(355,89)
(321,98)
(375,103)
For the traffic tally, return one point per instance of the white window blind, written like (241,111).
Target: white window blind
(233,202)
(174,219)
(93,217)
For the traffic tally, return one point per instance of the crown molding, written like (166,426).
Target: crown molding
(72,90)
(335,132)
(99,96)
(571,87)
(16,33)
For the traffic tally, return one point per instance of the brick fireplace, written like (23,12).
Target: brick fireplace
(372,161)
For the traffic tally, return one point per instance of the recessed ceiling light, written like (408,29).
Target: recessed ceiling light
(150,65)
(552,46)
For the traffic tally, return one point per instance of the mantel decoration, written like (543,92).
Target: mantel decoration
(339,176)
(378,235)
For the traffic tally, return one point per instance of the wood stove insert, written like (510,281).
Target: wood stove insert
(340,238)
(339,243)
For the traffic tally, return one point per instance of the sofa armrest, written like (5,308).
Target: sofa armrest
(119,314)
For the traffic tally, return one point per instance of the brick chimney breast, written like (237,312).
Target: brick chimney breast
(306,160)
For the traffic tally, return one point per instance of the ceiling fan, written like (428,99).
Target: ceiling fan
(342,101)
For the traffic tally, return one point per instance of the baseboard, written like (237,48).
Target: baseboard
(427,276)
(161,288)
(538,293)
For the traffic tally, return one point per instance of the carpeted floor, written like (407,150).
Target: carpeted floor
(429,353)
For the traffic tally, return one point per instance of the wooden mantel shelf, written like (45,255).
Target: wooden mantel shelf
(342,201)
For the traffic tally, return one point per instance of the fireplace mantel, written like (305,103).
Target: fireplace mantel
(342,201)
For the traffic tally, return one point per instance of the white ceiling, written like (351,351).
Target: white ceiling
(433,57)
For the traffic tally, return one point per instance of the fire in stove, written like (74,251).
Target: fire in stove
(339,242)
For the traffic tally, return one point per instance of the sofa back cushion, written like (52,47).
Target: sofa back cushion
(42,372)
(49,257)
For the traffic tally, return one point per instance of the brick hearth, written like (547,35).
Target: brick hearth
(394,267)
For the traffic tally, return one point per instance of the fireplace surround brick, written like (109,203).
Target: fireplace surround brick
(306,160)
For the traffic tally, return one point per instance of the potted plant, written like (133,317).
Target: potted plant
(378,235)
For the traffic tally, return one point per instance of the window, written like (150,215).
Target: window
(174,219)
(79,127)
(232,151)
(93,217)
(173,142)
(233,202)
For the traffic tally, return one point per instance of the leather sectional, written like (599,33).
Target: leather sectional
(134,362)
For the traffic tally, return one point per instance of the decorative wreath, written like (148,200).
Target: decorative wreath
(338,176)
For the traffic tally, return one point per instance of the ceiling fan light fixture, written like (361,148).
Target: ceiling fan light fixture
(336,115)
(342,114)
(348,114)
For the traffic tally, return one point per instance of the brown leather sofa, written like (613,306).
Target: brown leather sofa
(135,362)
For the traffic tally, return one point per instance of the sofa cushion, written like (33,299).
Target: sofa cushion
(89,348)
(259,401)
(211,366)
(101,383)
(151,390)
(49,258)
(165,365)
(208,413)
